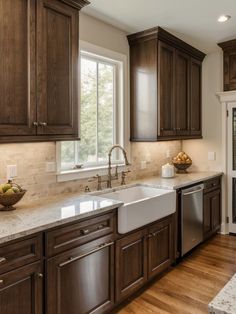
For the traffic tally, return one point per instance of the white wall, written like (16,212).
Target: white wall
(212,82)
(101,34)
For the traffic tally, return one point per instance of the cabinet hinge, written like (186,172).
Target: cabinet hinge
(227,219)
(227,113)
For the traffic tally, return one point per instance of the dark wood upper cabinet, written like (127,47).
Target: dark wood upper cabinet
(39,69)
(195,98)
(229,48)
(165,75)
(166,79)
(57,68)
(17,68)
(182,93)
(143,83)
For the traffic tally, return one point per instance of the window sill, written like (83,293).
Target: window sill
(70,175)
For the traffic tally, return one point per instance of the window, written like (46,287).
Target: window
(101,114)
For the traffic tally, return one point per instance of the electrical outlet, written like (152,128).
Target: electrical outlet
(11,171)
(50,166)
(211,156)
(143,164)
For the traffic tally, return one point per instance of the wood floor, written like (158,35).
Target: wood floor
(192,284)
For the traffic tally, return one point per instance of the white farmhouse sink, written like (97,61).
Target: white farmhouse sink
(142,205)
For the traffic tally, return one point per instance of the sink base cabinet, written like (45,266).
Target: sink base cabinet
(81,280)
(21,290)
(142,255)
(160,247)
(131,264)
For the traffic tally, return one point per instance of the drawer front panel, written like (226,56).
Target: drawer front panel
(20,253)
(212,184)
(62,239)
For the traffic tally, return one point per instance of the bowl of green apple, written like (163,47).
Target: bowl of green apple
(10,194)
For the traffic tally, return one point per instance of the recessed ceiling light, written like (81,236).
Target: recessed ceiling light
(224,18)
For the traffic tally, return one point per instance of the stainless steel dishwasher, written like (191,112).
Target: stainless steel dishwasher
(191,217)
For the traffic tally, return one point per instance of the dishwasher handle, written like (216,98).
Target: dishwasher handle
(193,192)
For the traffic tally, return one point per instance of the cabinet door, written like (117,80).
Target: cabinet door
(182,93)
(216,210)
(57,68)
(160,247)
(230,70)
(81,280)
(196,98)
(131,264)
(21,291)
(166,78)
(207,216)
(17,67)
(143,91)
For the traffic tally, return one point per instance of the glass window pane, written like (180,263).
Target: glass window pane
(105,109)
(67,155)
(88,143)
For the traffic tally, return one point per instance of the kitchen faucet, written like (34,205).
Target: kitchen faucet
(110,177)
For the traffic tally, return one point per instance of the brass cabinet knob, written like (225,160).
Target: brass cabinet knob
(40,275)
(1,281)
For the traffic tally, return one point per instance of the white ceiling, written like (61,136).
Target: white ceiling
(192,20)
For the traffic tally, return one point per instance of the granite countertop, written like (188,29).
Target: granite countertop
(225,301)
(32,218)
(48,213)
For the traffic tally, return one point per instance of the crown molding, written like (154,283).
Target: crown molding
(78,4)
(227,96)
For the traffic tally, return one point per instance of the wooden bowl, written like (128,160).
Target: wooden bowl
(8,200)
(182,168)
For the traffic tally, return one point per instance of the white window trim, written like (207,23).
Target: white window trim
(68,175)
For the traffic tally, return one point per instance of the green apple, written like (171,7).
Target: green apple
(6,187)
(9,191)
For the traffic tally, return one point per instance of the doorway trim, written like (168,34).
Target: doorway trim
(225,98)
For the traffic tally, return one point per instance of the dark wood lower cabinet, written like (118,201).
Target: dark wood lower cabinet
(211,213)
(142,255)
(21,290)
(81,280)
(131,264)
(160,247)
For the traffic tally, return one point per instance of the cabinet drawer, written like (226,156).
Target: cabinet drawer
(20,253)
(71,236)
(212,184)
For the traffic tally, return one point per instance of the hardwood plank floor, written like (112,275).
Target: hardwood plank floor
(192,284)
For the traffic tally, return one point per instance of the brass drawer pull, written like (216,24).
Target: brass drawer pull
(73,259)
(1,282)
(100,227)
(35,123)
(42,124)
(2,260)
(85,231)
(40,275)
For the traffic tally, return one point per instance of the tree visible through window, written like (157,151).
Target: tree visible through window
(97,116)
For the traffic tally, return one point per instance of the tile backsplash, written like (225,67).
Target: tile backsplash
(31,161)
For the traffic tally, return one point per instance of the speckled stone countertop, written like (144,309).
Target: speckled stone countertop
(30,218)
(180,180)
(225,301)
